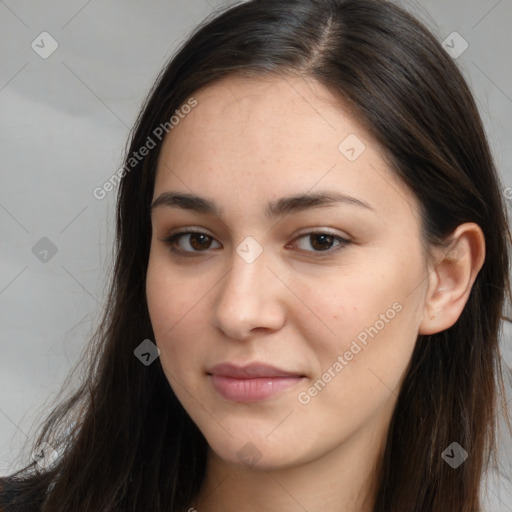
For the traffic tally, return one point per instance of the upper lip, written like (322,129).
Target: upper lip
(251,370)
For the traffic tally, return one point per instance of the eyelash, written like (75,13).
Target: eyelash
(171,240)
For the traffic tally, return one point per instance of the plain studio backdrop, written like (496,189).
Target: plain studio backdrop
(72,78)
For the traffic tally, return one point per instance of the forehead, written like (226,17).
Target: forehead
(265,107)
(273,136)
(236,95)
(251,123)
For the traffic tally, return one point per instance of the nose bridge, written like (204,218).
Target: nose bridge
(249,294)
(247,279)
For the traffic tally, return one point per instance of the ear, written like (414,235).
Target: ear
(451,279)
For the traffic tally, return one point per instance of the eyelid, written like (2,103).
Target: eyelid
(183,231)
(305,231)
(323,231)
(343,241)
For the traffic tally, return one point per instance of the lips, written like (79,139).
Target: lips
(252,370)
(251,383)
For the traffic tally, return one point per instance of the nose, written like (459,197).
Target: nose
(250,299)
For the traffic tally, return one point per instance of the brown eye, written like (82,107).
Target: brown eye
(323,242)
(197,242)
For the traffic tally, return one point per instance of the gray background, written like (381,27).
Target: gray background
(64,123)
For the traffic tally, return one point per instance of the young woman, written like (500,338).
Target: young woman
(311,266)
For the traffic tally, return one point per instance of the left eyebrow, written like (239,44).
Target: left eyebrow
(276,208)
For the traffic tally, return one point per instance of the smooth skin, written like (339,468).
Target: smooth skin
(302,302)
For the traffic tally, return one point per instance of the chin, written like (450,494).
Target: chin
(259,452)
(249,456)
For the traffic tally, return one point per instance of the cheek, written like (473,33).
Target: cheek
(160,299)
(165,306)
(360,368)
(174,304)
(169,295)
(369,318)
(341,309)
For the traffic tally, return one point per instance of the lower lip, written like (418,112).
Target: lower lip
(252,390)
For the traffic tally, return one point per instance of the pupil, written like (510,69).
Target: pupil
(195,237)
(324,237)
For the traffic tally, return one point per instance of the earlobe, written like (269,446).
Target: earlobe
(452,278)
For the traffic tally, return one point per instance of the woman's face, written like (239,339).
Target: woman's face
(337,320)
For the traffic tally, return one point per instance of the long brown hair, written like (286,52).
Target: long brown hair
(125,441)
